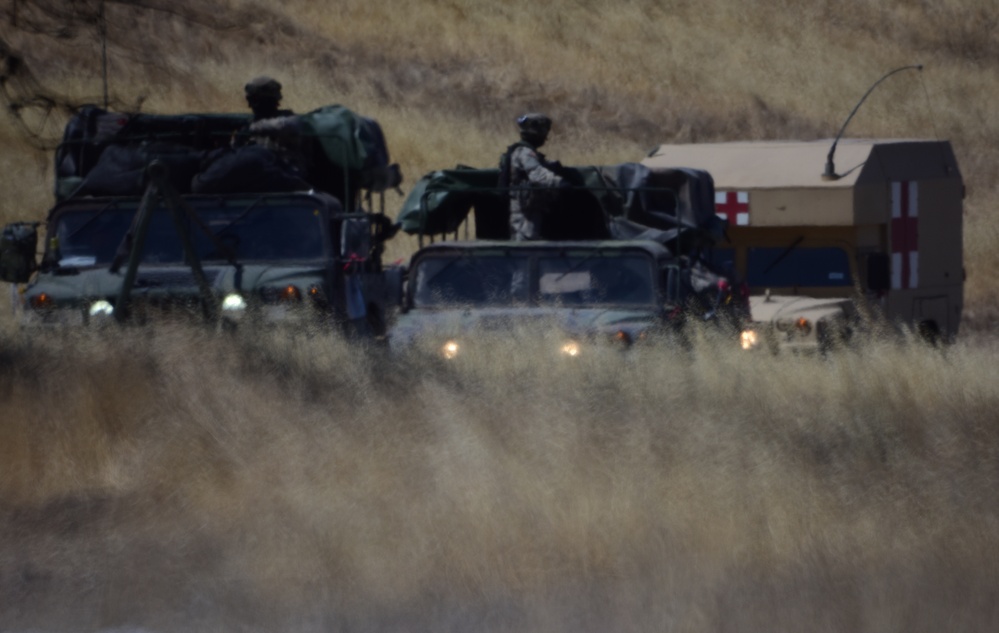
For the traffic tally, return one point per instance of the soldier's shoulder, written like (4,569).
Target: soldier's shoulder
(522,151)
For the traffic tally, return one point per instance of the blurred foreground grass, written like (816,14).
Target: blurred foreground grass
(174,480)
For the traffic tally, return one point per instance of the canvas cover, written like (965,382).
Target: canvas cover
(672,206)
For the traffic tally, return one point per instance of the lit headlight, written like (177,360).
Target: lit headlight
(570,348)
(450,349)
(749,339)
(101,309)
(233,303)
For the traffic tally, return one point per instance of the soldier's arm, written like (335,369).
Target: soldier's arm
(527,159)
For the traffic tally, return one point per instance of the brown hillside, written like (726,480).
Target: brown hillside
(445,79)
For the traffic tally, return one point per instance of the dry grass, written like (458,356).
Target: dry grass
(296,483)
(173,480)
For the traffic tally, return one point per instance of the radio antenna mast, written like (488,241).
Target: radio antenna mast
(830,172)
(102,29)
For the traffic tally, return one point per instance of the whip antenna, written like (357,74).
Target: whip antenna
(830,172)
(102,30)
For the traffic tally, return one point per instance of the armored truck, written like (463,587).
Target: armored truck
(821,251)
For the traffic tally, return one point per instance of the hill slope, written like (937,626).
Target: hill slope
(446,79)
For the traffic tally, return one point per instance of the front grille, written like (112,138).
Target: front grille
(144,310)
(166,279)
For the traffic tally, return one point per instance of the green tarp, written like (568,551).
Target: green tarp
(346,138)
(674,206)
(440,201)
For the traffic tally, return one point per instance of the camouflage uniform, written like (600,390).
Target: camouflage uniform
(276,129)
(282,135)
(531,179)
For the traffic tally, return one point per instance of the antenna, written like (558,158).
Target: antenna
(102,29)
(830,172)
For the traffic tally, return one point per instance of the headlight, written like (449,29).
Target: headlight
(100,309)
(570,348)
(233,304)
(450,349)
(749,339)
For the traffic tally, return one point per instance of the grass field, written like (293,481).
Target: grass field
(176,480)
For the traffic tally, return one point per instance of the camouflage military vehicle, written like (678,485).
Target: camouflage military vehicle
(573,297)
(819,250)
(131,239)
(621,260)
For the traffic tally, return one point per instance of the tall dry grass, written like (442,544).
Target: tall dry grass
(179,481)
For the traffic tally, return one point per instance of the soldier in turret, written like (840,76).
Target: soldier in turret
(277,129)
(263,95)
(527,173)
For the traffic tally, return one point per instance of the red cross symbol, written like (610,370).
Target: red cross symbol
(733,206)
(904,235)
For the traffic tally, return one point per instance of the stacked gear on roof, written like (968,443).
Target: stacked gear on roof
(674,207)
(331,149)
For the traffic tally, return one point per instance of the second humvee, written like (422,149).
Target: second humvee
(573,297)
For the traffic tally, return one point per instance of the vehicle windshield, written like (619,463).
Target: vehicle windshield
(470,279)
(250,230)
(595,279)
(811,267)
(590,278)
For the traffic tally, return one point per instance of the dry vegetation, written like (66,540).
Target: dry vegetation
(291,483)
(173,480)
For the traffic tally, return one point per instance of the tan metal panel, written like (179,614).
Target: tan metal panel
(800,207)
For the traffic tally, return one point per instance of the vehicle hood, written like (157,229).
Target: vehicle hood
(766,309)
(171,280)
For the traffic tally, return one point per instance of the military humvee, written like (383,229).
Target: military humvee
(818,249)
(129,239)
(577,297)
(618,222)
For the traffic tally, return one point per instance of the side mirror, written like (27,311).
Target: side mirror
(18,245)
(355,238)
(878,272)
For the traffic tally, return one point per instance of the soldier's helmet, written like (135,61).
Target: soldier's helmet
(534,128)
(263,88)
(534,123)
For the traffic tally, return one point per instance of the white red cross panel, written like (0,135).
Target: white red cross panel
(733,206)
(904,235)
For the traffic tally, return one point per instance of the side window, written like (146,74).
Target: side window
(723,260)
(787,267)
